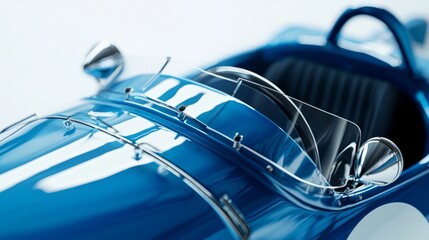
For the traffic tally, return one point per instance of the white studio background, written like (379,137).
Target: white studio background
(43,43)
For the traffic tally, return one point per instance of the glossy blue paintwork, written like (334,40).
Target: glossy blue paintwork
(53,183)
(58,181)
(135,196)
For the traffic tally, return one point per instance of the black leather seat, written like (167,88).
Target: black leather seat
(375,105)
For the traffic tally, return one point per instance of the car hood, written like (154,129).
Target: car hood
(77,173)
(76,181)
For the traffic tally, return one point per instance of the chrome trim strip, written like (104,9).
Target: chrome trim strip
(91,125)
(234,225)
(162,103)
(18,122)
(229,207)
(233,222)
(144,96)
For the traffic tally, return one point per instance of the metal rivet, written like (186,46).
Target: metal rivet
(269,168)
(68,124)
(237,141)
(128,92)
(138,153)
(162,171)
(226,198)
(181,114)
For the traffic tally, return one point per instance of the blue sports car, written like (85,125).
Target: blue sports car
(307,137)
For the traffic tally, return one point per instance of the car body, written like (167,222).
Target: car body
(181,152)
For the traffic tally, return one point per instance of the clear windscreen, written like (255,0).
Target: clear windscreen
(330,142)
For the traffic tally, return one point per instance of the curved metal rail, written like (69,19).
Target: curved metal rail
(222,206)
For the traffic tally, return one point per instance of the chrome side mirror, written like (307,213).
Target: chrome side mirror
(379,162)
(104,62)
